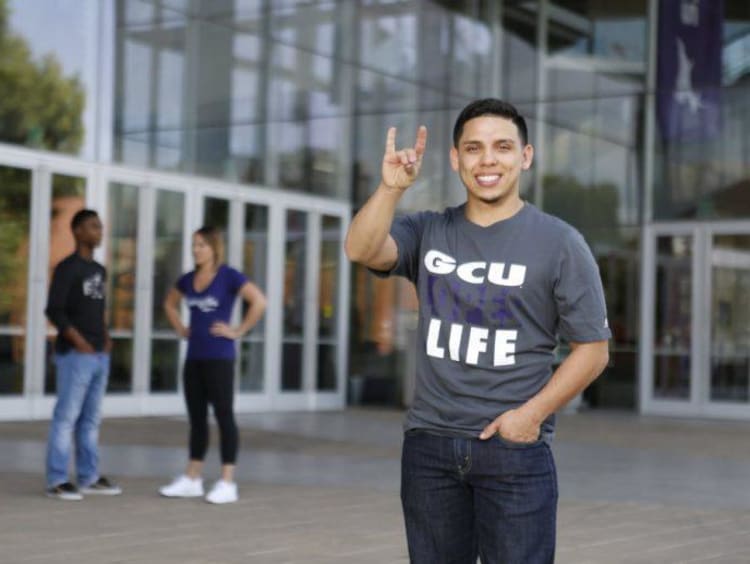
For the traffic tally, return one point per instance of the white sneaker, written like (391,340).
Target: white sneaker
(183,486)
(223,492)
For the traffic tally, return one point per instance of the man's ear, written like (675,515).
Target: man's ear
(454,158)
(528,157)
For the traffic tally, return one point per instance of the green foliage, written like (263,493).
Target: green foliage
(15,192)
(39,106)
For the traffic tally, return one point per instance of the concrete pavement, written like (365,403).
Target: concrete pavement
(323,488)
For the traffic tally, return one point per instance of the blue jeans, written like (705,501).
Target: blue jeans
(81,383)
(463,498)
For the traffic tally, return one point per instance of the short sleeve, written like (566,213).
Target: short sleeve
(407,233)
(579,296)
(235,280)
(183,283)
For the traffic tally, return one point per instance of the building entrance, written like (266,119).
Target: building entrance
(695,320)
(289,244)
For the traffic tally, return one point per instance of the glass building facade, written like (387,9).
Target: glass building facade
(267,118)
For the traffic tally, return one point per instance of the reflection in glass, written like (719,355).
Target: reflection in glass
(330,250)
(68,197)
(673,336)
(167,251)
(11,364)
(121,366)
(165,360)
(619,267)
(326,373)
(291,367)
(47,73)
(583,28)
(216,214)
(591,170)
(252,358)
(730,318)
(15,217)
(255,261)
(519,52)
(121,240)
(50,377)
(167,268)
(295,271)
(704,172)
(150,85)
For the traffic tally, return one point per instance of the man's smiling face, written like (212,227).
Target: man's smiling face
(489,159)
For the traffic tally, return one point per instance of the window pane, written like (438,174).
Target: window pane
(584,29)
(216,213)
(328,330)
(68,197)
(295,271)
(291,367)
(252,359)
(50,80)
(167,268)
(730,318)
(255,261)
(165,360)
(167,251)
(15,217)
(673,338)
(121,241)
(121,366)
(327,367)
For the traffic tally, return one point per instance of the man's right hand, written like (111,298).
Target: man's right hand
(400,168)
(85,348)
(79,342)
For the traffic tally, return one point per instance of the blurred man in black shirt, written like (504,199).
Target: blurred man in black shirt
(76,306)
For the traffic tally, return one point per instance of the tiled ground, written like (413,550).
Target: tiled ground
(323,488)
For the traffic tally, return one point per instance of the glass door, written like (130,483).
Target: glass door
(255,266)
(67,198)
(15,218)
(673,336)
(169,225)
(673,289)
(695,317)
(296,274)
(729,296)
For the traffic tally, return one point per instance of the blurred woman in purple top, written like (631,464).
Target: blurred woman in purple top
(209,292)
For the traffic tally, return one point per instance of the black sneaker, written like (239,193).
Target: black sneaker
(66,491)
(102,487)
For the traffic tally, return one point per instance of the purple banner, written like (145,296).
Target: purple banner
(689,69)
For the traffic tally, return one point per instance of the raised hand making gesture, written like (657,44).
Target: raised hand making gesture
(400,168)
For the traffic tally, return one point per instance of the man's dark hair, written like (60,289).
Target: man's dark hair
(490,107)
(80,217)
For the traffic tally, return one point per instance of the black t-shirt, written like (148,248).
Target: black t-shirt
(76,297)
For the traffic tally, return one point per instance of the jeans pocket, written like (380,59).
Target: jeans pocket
(515,444)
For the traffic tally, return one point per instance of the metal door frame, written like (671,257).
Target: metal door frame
(34,404)
(699,403)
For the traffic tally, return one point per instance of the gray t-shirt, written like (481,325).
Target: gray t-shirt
(492,303)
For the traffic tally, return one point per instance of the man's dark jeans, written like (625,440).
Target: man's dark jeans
(463,498)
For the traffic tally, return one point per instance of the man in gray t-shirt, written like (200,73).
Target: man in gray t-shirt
(498,282)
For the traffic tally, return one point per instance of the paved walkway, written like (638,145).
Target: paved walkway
(323,488)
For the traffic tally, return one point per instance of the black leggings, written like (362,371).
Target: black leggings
(211,381)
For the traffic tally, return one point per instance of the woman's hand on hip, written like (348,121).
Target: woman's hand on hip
(221,329)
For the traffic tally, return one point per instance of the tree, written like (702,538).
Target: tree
(39,106)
